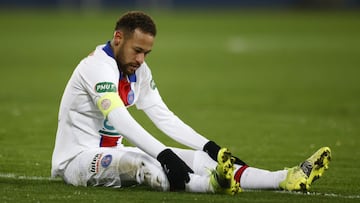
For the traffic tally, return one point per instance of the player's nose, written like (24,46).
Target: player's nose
(140,58)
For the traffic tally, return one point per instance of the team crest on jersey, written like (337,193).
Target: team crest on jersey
(98,160)
(105,87)
(152,84)
(130,97)
(106,160)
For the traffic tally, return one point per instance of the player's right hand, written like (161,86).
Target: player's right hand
(212,149)
(175,169)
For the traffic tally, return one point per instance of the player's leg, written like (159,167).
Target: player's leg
(114,168)
(297,178)
(85,169)
(255,178)
(197,160)
(210,176)
(129,166)
(199,182)
(151,172)
(248,177)
(251,178)
(202,165)
(148,169)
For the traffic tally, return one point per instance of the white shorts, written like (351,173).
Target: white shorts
(115,167)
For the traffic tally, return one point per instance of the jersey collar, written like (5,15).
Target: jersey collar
(107,49)
(132,77)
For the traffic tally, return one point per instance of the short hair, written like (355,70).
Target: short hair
(136,19)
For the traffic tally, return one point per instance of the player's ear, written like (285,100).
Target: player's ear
(118,37)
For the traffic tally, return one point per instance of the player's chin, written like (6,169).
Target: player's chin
(131,70)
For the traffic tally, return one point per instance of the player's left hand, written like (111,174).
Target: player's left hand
(212,149)
(175,168)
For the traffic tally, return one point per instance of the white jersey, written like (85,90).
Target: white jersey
(82,126)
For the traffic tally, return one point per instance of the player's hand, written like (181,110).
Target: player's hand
(213,149)
(176,169)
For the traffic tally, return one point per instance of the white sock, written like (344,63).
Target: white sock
(201,164)
(254,178)
(199,184)
(198,160)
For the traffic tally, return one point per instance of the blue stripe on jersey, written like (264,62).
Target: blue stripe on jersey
(132,78)
(108,50)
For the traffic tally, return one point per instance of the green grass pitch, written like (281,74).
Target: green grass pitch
(273,86)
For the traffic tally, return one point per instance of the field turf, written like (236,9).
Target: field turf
(273,86)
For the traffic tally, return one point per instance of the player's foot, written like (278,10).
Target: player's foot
(299,178)
(222,177)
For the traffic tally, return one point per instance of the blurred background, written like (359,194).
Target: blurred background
(173,4)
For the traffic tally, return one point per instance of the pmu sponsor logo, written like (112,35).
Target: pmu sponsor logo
(105,87)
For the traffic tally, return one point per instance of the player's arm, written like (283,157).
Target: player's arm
(173,127)
(113,108)
(176,170)
(151,103)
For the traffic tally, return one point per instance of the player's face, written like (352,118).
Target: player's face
(133,50)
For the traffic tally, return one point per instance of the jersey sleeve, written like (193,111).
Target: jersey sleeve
(98,78)
(175,128)
(149,94)
(152,104)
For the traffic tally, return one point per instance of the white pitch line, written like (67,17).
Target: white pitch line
(21,177)
(322,194)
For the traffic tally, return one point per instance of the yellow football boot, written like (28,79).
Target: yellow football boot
(222,178)
(299,178)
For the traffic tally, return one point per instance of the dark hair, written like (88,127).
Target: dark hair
(136,19)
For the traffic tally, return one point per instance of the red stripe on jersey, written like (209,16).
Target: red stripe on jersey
(109,141)
(123,89)
(239,172)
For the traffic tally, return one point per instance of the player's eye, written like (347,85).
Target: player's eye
(138,50)
(147,53)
